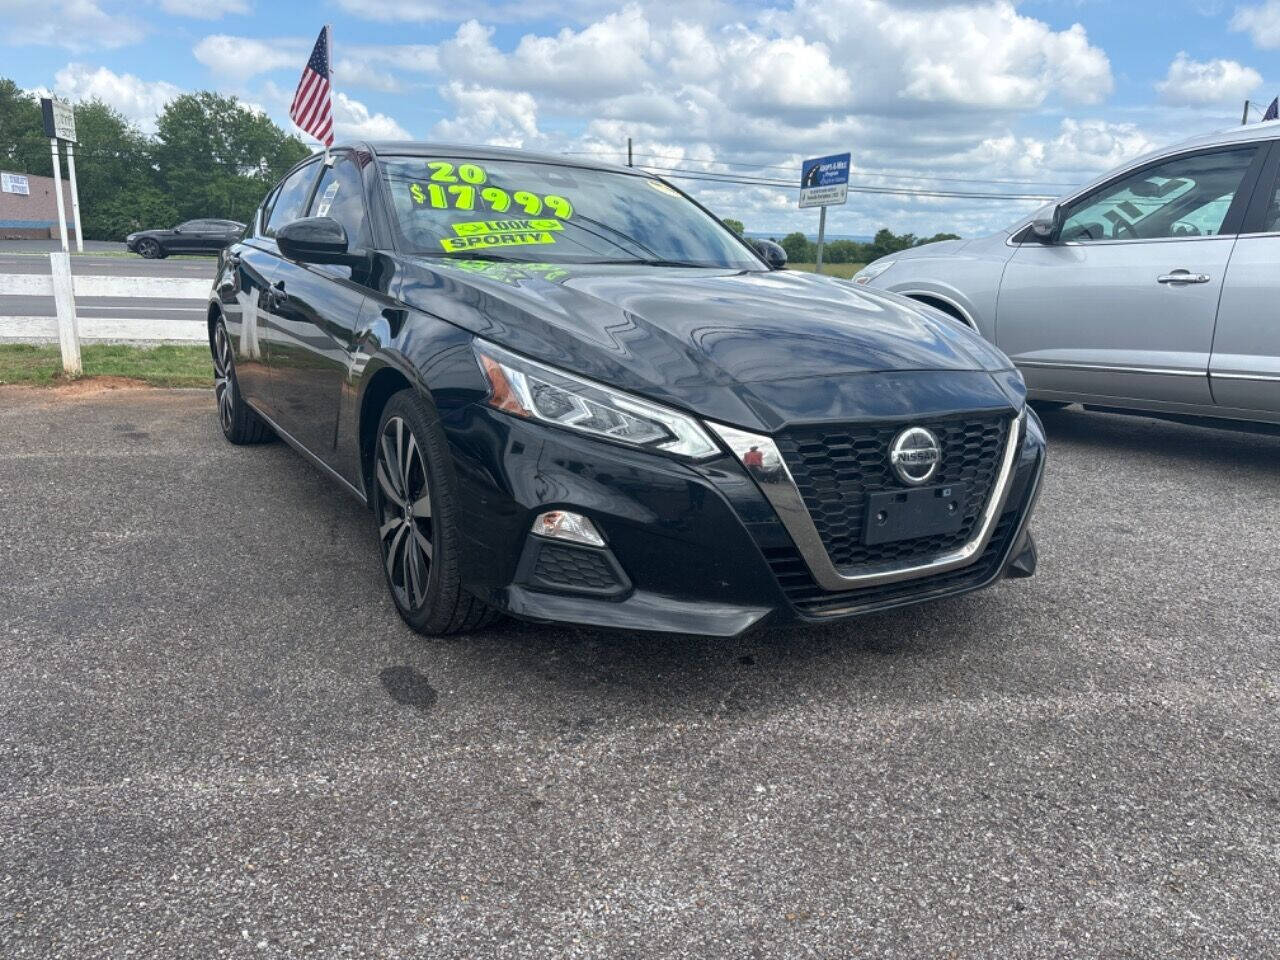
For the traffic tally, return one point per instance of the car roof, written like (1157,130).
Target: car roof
(422,148)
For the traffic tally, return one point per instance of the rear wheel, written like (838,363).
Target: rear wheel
(240,423)
(415,508)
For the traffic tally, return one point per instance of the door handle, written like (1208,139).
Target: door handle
(1183,276)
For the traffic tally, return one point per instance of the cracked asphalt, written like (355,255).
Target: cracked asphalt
(218,740)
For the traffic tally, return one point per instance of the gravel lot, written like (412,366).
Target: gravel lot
(217,739)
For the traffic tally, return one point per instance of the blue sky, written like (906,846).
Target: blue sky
(1043,93)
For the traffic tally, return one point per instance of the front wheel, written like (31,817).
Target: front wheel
(415,507)
(149,249)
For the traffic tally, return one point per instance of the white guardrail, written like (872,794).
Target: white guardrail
(64,288)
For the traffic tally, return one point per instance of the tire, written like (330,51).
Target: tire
(149,249)
(415,510)
(240,423)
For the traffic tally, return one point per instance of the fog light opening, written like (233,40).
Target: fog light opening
(568,526)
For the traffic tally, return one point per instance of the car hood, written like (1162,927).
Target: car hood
(939,248)
(688,336)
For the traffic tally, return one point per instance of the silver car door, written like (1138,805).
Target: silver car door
(1244,371)
(1121,306)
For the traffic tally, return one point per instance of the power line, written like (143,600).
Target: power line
(678,173)
(853,173)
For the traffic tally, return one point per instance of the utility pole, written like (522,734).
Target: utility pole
(629,163)
(1245,118)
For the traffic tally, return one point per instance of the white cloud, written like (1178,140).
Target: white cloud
(486,115)
(1197,83)
(239,58)
(137,99)
(1261,22)
(205,11)
(76,25)
(352,119)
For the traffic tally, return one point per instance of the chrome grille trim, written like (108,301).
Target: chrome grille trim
(779,487)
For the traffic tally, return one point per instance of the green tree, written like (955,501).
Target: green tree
(216,157)
(735,225)
(799,249)
(118,184)
(23,146)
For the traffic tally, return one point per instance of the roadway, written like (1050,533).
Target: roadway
(113,308)
(218,739)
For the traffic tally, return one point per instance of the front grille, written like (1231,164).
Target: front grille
(812,600)
(835,468)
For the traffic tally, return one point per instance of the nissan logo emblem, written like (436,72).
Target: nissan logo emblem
(915,455)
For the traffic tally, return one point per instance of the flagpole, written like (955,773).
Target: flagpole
(328,44)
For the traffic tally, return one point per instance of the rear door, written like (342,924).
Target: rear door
(1244,371)
(186,237)
(1123,305)
(317,310)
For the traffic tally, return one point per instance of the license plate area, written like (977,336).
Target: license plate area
(907,514)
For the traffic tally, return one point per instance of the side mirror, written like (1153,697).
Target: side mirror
(316,240)
(1046,224)
(770,252)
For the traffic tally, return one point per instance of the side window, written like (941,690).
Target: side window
(1183,197)
(341,195)
(291,199)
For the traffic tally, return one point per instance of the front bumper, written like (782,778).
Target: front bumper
(694,548)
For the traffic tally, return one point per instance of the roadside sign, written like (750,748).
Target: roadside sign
(59,119)
(14,183)
(824,181)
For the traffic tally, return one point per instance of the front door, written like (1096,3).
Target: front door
(1244,371)
(1122,305)
(316,315)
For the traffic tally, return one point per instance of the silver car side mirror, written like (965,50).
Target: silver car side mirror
(1046,223)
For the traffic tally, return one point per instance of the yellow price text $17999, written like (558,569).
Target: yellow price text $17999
(463,189)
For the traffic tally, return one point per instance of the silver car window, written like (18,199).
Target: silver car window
(1187,196)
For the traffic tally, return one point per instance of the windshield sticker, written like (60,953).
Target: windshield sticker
(473,228)
(483,241)
(467,196)
(662,188)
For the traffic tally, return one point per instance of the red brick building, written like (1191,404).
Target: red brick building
(32,215)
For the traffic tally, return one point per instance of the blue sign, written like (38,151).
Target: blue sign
(824,181)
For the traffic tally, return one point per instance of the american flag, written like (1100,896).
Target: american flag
(311,109)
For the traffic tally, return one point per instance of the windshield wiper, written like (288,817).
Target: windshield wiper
(657,262)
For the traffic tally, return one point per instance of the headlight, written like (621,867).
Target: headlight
(872,270)
(527,389)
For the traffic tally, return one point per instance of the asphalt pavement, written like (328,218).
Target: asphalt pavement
(217,739)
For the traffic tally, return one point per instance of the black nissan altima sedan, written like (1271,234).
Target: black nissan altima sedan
(568,393)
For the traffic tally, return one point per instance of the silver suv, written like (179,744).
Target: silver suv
(1154,288)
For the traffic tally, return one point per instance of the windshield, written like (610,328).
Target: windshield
(543,212)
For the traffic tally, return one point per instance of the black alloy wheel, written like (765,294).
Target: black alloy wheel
(404,513)
(148,248)
(240,424)
(415,509)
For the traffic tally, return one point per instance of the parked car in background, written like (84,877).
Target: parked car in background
(194,236)
(570,394)
(1152,289)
